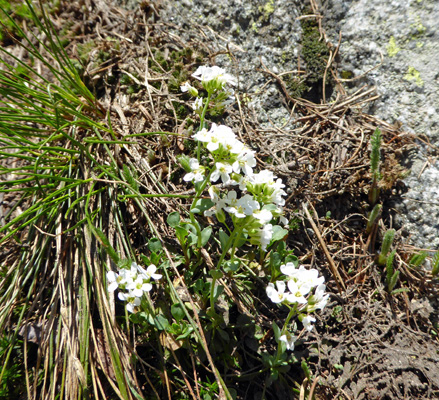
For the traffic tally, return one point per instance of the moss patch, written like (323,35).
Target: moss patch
(315,54)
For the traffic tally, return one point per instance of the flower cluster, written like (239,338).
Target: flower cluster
(303,291)
(259,200)
(214,80)
(132,283)
(262,193)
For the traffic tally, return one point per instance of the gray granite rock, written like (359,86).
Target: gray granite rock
(258,31)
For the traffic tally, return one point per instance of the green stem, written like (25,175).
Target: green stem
(218,266)
(293,311)
(237,234)
(202,116)
(191,214)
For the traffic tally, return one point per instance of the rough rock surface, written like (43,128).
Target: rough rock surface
(255,32)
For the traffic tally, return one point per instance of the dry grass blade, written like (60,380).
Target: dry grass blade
(338,279)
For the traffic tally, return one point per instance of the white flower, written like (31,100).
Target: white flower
(149,272)
(276,196)
(266,235)
(233,146)
(197,174)
(245,162)
(197,105)
(214,193)
(318,300)
(139,286)
(298,293)
(265,182)
(220,135)
(231,198)
(288,269)
(141,282)
(220,203)
(248,204)
(242,207)
(185,87)
(231,202)
(132,301)
(307,322)
(127,276)
(289,340)
(262,237)
(263,216)
(263,177)
(216,74)
(113,280)
(279,295)
(203,135)
(310,276)
(302,276)
(283,220)
(221,170)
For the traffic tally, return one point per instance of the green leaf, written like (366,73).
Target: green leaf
(199,286)
(192,239)
(161,322)
(418,259)
(224,238)
(275,260)
(231,266)
(241,240)
(435,264)
(173,219)
(217,291)
(293,259)
(375,141)
(385,247)
(224,335)
(202,205)
(215,274)
(181,232)
(276,330)
(233,393)
(205,235)
(281,247)
(185,334)
(306,370)
(389,267)
(129,178)
(278,233)
(155,245)
(274,374)
(184,162)
(155,259)
(190,227)
(177,312)
(393,281)
(174,329)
